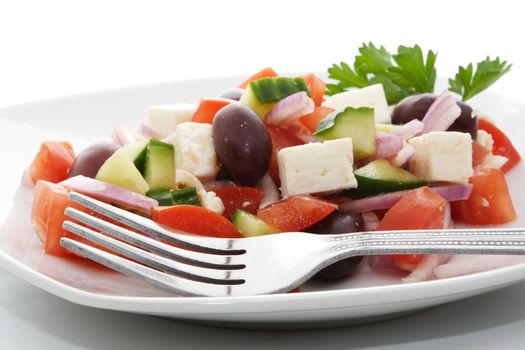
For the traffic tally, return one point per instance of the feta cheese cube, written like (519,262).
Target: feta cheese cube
(485,139)
(194,150)
(316,167)
(209,200)
(371,96)
(165,118)
(442,156)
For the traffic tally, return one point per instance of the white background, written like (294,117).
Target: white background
(53,48)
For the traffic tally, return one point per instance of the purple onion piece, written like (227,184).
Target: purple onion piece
(386,201)
(110,194)
(441,113)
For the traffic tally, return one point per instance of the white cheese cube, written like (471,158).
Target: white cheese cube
(485,139)
(442,156)
(194,150)
(165,118)
(316,167)
(209,200)
(371,96)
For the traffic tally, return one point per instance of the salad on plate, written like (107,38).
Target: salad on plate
(374,149)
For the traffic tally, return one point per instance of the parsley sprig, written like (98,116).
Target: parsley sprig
(403,74)
(409,71)
(468,83)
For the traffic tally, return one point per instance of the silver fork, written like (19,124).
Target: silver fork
(204,266)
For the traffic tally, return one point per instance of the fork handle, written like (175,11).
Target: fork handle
(465,241)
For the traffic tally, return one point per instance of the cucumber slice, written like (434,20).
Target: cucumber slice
(120,170)
(388,128)
(137,152)
(250,225)
(356,123)
(261,95)
(159,166)
(167,196)
(380,176)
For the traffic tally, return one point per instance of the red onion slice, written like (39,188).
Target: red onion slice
(271,193)
(110,193)
(424,271)
(404,155)
(381,262)
(210,186)
(387,144)
(147,131)
(441,114)
(122,135)
(386,201)
(286,114)
(371,221)
(410,129)
(466,264)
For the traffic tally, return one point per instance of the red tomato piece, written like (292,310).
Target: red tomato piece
(207,109)
(280,139)
(311,120)
(489,203)
(245,198)
(420,209)
(316,86)
(479,153)
(502,144)
(49,202)
(52,162)
(263,73)
(194,219)
(296,213)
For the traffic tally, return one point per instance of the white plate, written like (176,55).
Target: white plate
(82,119)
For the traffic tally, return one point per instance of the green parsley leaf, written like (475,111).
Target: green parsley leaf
(372,59)
(468,83)
(403,74)
(412,70)
(347,76)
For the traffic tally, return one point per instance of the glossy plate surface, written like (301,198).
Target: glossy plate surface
(87,118)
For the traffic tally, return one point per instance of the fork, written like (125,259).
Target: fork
(204,266)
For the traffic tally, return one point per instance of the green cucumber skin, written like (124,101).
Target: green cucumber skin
(356,123)
(380,176)
(370,187)
(159,168)
(137,152)
(275,89)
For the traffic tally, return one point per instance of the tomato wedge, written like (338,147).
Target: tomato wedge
(263,73)
(280,139)
(245,198)
(207,109)
(489,203)
(194,219)
(479,153)
(49,202)
(311,120)
(317,88)
(420,209)
(52,162)
(502,144)
(296,213)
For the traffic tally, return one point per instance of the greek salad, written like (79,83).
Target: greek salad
(374,149)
